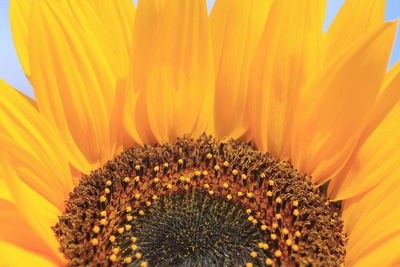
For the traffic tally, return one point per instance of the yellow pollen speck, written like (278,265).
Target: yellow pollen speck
(143,264)
(244,176)
(128,227)
(182,178)
(275,225)
(94,241)
(211,192)
(133,238)
(136,179)
(289,242)
(129,218)
(116,250)
(113,258)
(103,199)
(297,234)
(295,203)
(234,172)
(128,260)
(249,195)
(108,183)
(121,230)
(217,168)
(197,173)
(271,182)
(253,254)
(278,253)
(250,218)
(137,167)
(296,212)
(263,245)
(269,193)
(156,180)
(148,203)
(225,185)
(248,211)
(264,227)
(226,164)
(209,156)
(166,165)
(205,173)
(254,221)
(155,197)
(273,236)
(295,248)
(285,231)
(134,247)
(137,195)
(141,212)
(103,221)
(128,209)
(262,175)
(156,168)
(138,255)
(169,186)
(278,216)
(187,179)
(126,179)
(107,191)
(96,229)
(112,238)
(249,264)
(229,197)
(103,213)
(268,261)
(206,186)
(278,200)
(180,161)
(240,194)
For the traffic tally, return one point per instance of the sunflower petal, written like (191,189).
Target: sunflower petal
(15,230)
(376,155)
(335,107)
(19,20)
(33,147)
(355,18)
(372,222)
(38,212)
(176,93)
(236,28)
(288,57)
(74,79)
(15,256)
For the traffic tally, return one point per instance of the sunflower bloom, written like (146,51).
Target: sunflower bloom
(163,136)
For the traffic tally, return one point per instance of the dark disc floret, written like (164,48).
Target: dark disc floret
(200,203)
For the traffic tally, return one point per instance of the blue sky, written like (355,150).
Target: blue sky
(10,69)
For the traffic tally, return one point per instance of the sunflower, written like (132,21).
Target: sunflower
(161,136)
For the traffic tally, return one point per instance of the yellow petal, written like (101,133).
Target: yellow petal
(372,222)
(176,93)
(376,155)
(334,108)
(14,256)
(15,230)
(74,78)
(288,57)
(38,212)
(236,28)
(33,147)
(355,18)
(19,20)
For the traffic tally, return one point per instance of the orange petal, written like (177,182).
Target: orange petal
(334,108)
(33,147)
(14,229)
(236,28)
(74,76)
(372,222)
(288,57)
(15,256)
(355,18)
(376,154)
(176,93)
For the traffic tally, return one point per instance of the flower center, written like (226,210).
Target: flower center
(199,203)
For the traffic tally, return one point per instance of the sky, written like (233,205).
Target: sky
(11,72)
